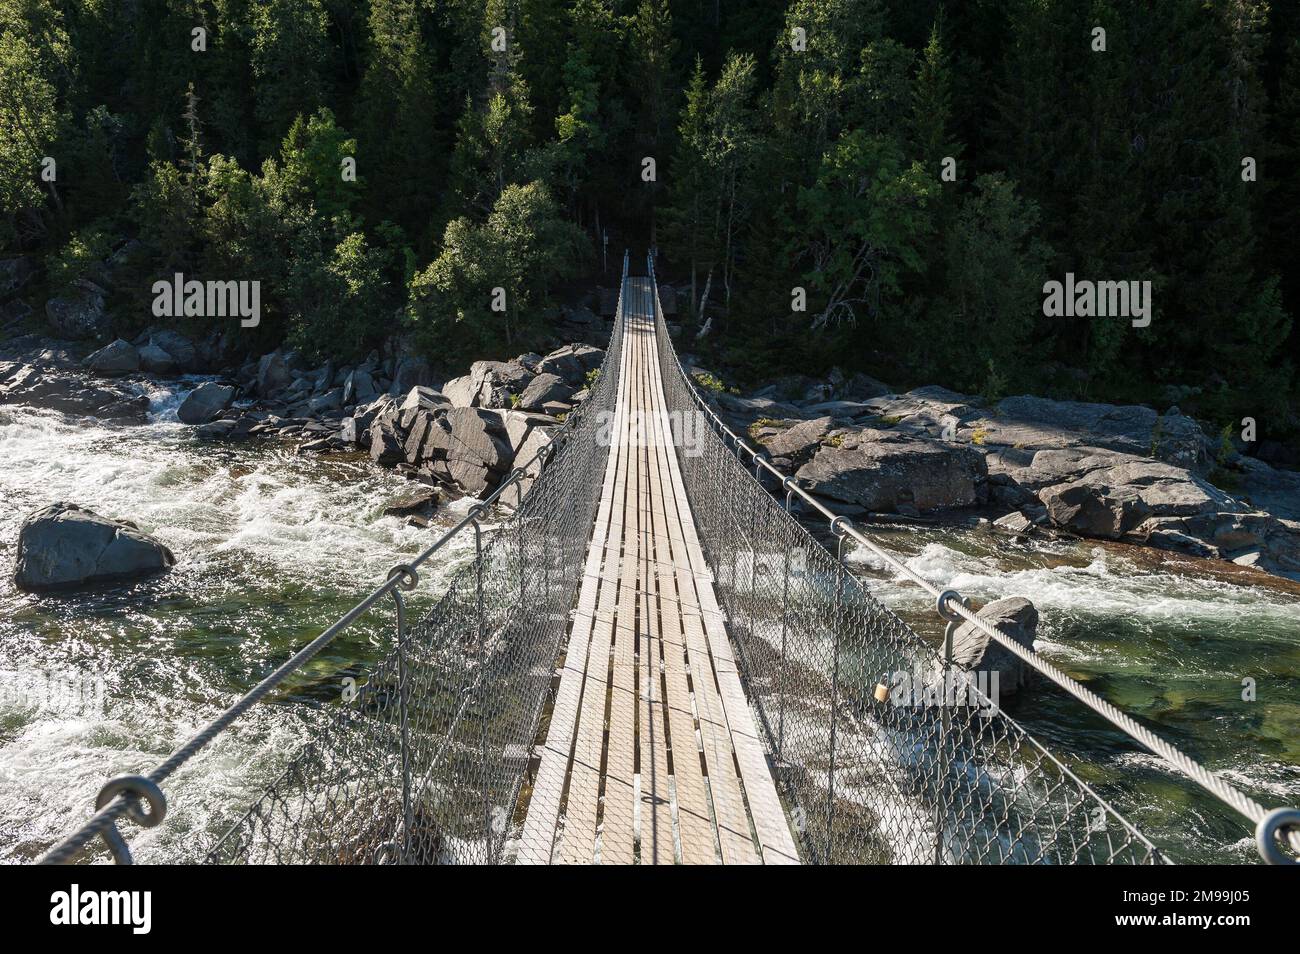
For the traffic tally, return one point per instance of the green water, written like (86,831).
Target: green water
(1169,640)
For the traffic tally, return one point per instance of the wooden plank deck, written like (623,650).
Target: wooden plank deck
(652,755)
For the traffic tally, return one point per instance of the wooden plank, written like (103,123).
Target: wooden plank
(656,827)
(537,841)
(618,810)
(694,816)
(765,805)
(577,845)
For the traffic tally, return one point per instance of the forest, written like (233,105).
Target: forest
(879,185)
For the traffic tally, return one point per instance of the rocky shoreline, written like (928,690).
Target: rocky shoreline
(1032,465)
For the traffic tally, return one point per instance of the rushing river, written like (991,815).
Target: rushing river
(271,547)
(1167,639)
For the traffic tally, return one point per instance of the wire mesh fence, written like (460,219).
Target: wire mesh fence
(425,765)
(882,754)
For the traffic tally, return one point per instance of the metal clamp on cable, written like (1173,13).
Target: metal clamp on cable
(941,606)
(135,788)
(1270,831)
(410,578)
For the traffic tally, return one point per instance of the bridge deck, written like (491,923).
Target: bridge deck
(651,753)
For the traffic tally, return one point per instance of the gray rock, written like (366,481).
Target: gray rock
(462,392)
(468,447)
(571,362)
(273,373)
(415,503)
(359,388)
(79,313)
(794,446)
(887,473)
(975,651)
(184,354)
(64,545)
(544,388)
(71,394)
(409,372)
(205,402)
(525,457)
(331,400)
(1015,523)
(117,357)
(155,360)
(386,443)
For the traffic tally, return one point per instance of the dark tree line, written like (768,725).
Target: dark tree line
(796,145)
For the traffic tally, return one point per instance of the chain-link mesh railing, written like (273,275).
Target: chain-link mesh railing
(426,765)
(879,757)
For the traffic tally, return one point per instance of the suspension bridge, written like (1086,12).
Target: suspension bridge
(651,660)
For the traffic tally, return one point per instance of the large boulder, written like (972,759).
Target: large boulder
(1112,500)
(156,360)
(184,355)
(882,472)
(544,389)
(71,394)
(794,446)
(205,403)
(468,447)
(976,652)
(571,362)
(117,357)
(273,373)
(64,545)
(79,312)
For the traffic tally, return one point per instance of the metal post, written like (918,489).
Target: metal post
(482,684)
(837,526)
(946,723)
(783,667)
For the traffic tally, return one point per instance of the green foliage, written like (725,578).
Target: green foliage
(523,248)
(85,249)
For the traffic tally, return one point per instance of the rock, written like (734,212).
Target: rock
(571,362)
(467,446)
(495,383)
(409,372)
(416,503)
(461,391)
(64,545)
(1015,523)
(1126,428)
(526,457)
(386,443)
(71,394)
(794,446)
(79,313)
(358,388)
(226,429)
(183,353)
(544,388)
(1109,501)
(887,473)
(975,651)
(155,360)
(273,373)
(205,402)
(331,400)
(422,397)
(1179,440)
(118,357)
(14,274)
